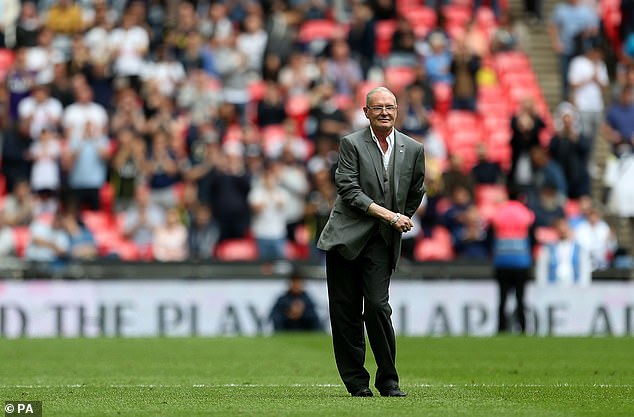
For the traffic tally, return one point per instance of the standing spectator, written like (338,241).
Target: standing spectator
(169,242)
(464,67)
(570,20)
(564,263)
(162,170)
(512,258)
(268,201)
(597,238)
(19,81)
(164,71)
(203,234)
(229,186)
(28,25)
(185,24)
(40,57)
(325,119)
(39,110)
(485,171)
(86,161)
(129,44)
(252,42)
(9,12)
(295,310)
(216,26)
(526,127)
(416,114)
(96,38)
(455,218)
(46,154)
(342,69)
(127,167)
(547,205)
(588,78)
(16,163)
(320,202)
(293,179)
(271,110)
(233,67)
(83,111)
(361,36)
(19,206)
(455,177)
(298,74)
(65,19)
(570,148)
(547,173)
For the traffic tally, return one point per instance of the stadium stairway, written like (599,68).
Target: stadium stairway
(545,66)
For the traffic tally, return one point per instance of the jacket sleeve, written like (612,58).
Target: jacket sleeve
(347,177)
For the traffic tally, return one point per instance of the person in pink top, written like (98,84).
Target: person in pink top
(512,255)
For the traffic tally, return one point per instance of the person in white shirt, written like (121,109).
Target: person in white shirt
(268,201)
(588,78)
(82,112)
(128,45)
(39,110)
(564,263)
(252,42)
(596,237)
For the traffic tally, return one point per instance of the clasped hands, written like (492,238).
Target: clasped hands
(402,223)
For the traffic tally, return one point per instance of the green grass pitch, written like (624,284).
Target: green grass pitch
(294,375)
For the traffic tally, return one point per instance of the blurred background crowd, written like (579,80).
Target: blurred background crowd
(174,130)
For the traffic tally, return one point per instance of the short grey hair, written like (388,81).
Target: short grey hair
(376,90)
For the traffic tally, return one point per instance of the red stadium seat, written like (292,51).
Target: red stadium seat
(383,32)
(572,208)
(21,239)
(545,235)
(436,248)
(6,61)
(442,96)
(398,78)
(257,89)
(422,18)
(233,250)
(317,29)
(490,194)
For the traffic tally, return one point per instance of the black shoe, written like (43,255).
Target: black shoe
(363,392)
(392,392)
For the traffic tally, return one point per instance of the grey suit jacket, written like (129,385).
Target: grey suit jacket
(359,183)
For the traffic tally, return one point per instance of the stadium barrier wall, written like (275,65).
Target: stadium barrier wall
(182,308)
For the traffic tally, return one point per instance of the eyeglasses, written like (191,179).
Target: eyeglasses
(379,109)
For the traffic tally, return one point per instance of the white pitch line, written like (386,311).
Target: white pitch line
(563,385)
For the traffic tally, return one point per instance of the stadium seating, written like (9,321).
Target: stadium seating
(436,248)
(233,250)
(383,32)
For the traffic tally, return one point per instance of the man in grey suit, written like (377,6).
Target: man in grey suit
(379,187)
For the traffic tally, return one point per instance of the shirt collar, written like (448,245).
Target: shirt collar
(390,137)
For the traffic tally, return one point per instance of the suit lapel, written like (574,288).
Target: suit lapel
(399,157)
(376,158)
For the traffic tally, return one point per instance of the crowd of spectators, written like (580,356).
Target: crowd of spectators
(169,130)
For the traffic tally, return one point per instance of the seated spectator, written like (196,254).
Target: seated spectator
(49,241)
(268,201)
(455,177)
(19,206)
(403,49)
(485,171)
(438,62)
(169,241)
(473,239)
(87,164)
(547,205)
(414,113)
(82,244)
(546,171)
(271,109)
(619,122)
(142,218)
(455,218)
(295,310)
(203,234)
(570,148)
(597,238)
(7,240)
(564,263)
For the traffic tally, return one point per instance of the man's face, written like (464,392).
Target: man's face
(381,111)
